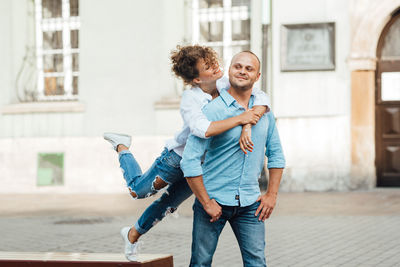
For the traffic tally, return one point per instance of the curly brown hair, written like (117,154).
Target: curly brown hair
(185,58)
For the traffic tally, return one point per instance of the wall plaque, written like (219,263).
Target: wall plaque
(308,47)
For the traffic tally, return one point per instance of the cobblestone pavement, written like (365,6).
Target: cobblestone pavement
(307,229)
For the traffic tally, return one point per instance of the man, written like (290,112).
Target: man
(226,185)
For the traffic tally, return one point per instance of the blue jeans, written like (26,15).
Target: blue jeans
(249,232)
(167,167)
(167,203)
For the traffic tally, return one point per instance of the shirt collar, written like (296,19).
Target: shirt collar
(227,98)
(200,92)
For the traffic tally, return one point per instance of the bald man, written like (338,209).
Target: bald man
(226,185)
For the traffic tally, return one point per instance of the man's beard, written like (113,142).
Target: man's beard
(240,87)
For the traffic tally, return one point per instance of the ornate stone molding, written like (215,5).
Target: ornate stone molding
(358,63)
(368,24)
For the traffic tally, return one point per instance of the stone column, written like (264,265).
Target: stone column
(363,174)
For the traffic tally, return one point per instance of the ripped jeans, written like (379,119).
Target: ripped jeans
(167,167)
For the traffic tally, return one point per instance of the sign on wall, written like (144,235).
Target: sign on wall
(308,47)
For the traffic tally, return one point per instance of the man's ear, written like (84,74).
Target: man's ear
(258,76)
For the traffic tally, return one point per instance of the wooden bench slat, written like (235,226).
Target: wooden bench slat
(81,259)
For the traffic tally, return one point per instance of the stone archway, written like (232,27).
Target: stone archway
(367,25)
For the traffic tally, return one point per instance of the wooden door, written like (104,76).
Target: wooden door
(387,109)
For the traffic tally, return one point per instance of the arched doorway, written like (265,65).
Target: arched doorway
(387,105)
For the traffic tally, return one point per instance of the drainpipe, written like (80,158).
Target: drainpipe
(267,58)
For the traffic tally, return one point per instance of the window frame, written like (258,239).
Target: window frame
(224,14)
(65,24)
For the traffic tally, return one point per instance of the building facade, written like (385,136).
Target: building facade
(71,70)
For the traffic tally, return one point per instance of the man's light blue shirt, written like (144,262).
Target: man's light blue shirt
(229,175)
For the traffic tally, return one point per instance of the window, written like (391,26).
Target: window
(57,49)
(222,24)
(391,45)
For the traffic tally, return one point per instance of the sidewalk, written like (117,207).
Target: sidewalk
(306,229)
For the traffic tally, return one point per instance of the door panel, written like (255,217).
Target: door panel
(391,122)
(390,170)
(391,159)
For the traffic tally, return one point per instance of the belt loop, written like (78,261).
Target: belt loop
(238,199)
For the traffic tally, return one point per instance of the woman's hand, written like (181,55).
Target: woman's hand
(245,139)
(249,116)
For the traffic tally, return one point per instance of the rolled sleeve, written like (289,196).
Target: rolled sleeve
(199,125)
(260,98)
(192,155)
(274,151)
(193,116)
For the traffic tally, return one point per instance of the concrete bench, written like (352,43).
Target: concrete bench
(48,259)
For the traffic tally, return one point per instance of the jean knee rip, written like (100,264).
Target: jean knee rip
(170,211)
(133,193)
(155,222)
(158,183)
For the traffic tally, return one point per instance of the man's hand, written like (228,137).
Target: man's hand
(209,205)
(213,209)
(267,204)
(245,139)
(249,116)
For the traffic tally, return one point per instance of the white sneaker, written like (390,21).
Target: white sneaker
(131,250)
(118,139)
